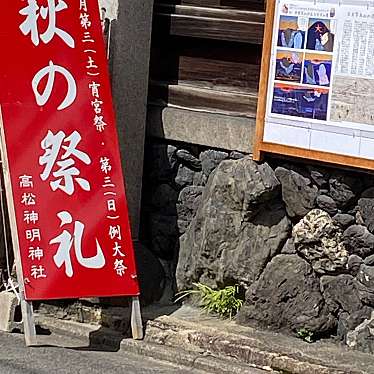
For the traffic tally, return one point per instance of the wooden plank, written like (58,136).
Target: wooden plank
(206,12)
(212,74)
(236,4)
(264,79)
(210,28)
(136,319)
(222,65)
(189,97)
(26,307)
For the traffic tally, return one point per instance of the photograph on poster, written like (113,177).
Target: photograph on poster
(352,100)
(300,101)
(289,34)
(320,36)
(317,69)
(289,66)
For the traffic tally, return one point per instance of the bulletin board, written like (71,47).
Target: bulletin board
(316,93)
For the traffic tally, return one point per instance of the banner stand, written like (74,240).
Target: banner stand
(136,319)
(26,307)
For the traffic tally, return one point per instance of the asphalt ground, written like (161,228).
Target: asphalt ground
(57,354)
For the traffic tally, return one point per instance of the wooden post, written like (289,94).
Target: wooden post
(136,319)
(26,307)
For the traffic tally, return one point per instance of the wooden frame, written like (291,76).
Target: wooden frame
(260,147)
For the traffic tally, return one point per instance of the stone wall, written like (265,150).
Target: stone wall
(297,238)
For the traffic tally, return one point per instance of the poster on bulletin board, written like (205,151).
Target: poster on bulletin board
(316,97)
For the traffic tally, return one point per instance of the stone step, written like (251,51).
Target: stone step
(193,332)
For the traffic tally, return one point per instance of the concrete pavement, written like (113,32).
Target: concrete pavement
(60,354)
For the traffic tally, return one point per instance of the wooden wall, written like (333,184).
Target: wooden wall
(206,55)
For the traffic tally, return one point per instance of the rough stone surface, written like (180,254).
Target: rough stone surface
(200,179)
(211,159)
(340,293)
(358,240)
(287,296)
(188,159)
(298,192)
(184,177)
(344,188)
(354,264)
(365,285)
(319,176)
(362,337)
(369,260)
(188,203)
(366,208)
(233,219)
(233,225)
(344,220)
(318,239)
(348,322)
(327,204)
(289,248)
(234,155)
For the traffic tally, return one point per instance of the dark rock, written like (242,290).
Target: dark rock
(319,176)
(327,204)
(232,235)
(188,159)
(211,159)
(358,240)
(365,284)
(298,192)
(184,177)
(366,208)
(344,188)
(150,273)
(289,248)
(188,202)
(163,234)
(164,199)
(318,239)
(234,155)
(362,337)
(354,264)
(349,322)
(287,296)
(340,293)
(344,220)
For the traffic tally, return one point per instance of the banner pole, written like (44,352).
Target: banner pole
(26,307)
(136,319)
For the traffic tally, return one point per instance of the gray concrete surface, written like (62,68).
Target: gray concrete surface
(62,354)
(130,53)
(209,129)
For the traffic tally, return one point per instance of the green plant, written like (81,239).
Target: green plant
(306,335)
(224,302)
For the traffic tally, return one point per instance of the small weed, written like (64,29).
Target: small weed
(224,302)
(306,335)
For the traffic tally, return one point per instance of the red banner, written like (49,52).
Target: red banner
(62,146)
